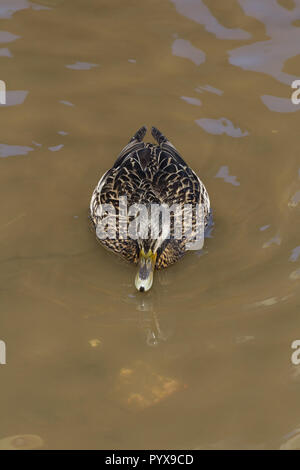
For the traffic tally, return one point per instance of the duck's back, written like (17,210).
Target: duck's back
(150,173)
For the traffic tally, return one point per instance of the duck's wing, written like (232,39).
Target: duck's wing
(178,183)
(122,179)
(108,224)
(111,175)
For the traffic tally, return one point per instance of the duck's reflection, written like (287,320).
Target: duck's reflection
(149,319)
(149,323)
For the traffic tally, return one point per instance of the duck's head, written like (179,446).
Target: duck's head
(158,253)
(154,253)
(146,266)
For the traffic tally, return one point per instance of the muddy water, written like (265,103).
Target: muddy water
(204,359)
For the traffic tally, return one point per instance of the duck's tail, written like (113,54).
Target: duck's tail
(158,136)
(139,135)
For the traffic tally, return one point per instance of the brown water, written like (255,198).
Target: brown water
(204,359)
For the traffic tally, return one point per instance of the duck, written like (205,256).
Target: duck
(145,176)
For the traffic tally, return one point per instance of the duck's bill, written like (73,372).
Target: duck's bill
(144,277)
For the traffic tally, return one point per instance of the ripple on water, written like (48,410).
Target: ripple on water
(56,148)
(210,89)
(81,66)
(190,100)
(67,103)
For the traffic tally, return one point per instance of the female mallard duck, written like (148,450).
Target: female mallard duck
(149,175)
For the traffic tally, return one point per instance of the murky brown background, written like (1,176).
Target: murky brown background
(204,359)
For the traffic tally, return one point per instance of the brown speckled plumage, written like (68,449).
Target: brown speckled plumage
(148,174)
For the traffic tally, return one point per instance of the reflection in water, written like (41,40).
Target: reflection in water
(148,319)
(5,52)
(50,3)
(269,56)
(264,227)
(220,126)
(197,11)
(244,339)
(265,302)
(280,105)
(295,275)
(5,36)
(209,88)
(190,100)
(276,240)
(55,148)
(295,200)
(67,103)
(9,7)
(14,98)
(150,324)
(81,66)
(183,48)
(13,150)
(224,174)
(295,254)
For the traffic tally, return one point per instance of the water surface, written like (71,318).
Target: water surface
(204,359)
